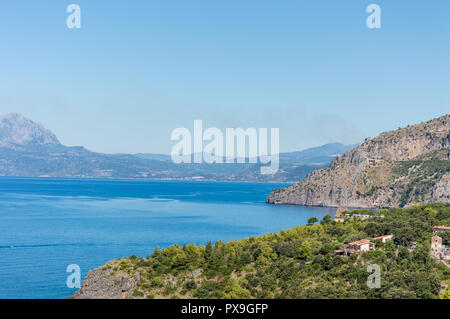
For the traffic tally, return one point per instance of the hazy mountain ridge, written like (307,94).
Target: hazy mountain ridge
(398,168)
(29,149)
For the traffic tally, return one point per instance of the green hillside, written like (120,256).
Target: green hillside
(300,262)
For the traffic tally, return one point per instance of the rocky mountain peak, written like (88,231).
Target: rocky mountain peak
(15,129)
(397,168)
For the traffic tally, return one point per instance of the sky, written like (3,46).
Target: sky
(136,70)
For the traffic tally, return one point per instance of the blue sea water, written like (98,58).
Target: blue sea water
(47,224)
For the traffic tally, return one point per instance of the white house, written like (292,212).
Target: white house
(384,238)
(361,245)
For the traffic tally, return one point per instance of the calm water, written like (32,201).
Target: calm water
(47,224)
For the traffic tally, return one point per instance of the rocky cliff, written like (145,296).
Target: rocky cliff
(128,278)
(398,168)
(105,283)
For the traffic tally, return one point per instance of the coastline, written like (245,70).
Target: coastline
(152,179)
(200,276)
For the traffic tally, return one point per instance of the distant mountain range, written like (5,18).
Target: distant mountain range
(29,149)
(399,168)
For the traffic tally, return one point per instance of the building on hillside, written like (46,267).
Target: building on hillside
(436,243)
(440,228)
(361,245)
(349,216)
(338,215)
(342,214)
(362,216)
(439,251)
(384,238)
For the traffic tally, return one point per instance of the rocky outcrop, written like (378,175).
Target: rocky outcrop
(131,278)
(104,283)
(398,168)
(441,191)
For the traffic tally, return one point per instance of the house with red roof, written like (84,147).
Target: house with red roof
(361,245)
(441,228)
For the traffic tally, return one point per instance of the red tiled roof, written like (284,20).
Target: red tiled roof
(359,242)
(441,227)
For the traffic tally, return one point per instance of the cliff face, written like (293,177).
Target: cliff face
(128,278)
(104,283)
(398,168)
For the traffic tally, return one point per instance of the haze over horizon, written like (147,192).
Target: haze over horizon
(135,72)
(16,129)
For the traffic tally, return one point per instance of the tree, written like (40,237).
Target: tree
(156,252)
(403,253)
(389,245)
(446,293)
(305,249)
(233,290)
(312,220)
(372,229)
(383,212)
(430,211)
(326,219)
(208,252)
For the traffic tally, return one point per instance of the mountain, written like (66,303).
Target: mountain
(29,149)
(311,156)
(63,161)
(152,156)
(16,130)
(326,150)
(399,168)
(293,166)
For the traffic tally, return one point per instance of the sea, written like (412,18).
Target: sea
(47,224)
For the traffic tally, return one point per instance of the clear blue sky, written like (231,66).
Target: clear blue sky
(138,69)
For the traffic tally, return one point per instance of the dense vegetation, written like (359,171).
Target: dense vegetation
(423,173)
(301,263)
